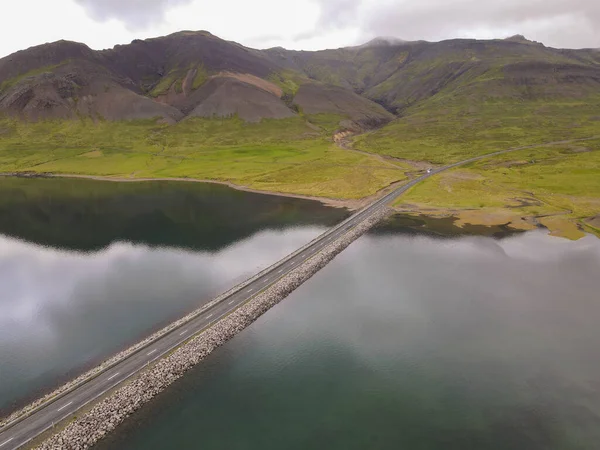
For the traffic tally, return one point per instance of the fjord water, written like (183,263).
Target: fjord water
(88,267)
(405,341)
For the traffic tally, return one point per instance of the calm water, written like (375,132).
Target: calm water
(87,268)
(406,342)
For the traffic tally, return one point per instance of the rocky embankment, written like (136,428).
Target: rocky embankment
(83,432)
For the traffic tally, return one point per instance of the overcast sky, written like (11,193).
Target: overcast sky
(298,24)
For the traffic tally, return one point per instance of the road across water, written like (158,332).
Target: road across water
(22,431)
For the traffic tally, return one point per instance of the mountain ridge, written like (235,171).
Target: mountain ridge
(172,77)
(197,73)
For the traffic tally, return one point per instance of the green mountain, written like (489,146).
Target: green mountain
(399,75)
(198,74)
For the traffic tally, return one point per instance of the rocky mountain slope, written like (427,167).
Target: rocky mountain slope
(196,74)
(399,75)
(187,74)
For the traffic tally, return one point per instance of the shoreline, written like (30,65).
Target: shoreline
(556,224)
(351,204)
(485,217)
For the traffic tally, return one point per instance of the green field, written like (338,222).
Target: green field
(448,133)
(287,156)
(559,185)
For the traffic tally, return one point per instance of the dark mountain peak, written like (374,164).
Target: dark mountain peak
(41,56)
(61,47)
(195,72)
(517,38)
(521,39)
(383,41)
(191,33)
(169,38)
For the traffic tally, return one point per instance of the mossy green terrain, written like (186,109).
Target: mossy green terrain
(556,186)
(444,134)
(200,77)
(13,81)
(165,83)
(452,99)
(288,80)
(288,156)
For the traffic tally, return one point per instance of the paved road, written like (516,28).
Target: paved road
(18,434)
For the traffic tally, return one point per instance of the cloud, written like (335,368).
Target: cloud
(135,14)
(303,24)
(64,309)
(559,23)
(338,13)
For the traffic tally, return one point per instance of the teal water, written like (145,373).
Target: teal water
(405,342)
(87,268)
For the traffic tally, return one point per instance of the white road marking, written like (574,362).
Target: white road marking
(249,290)
(64,406)
(209,316)
(112,376)
(6,442)
(153,351)
(280,270)
(231,302)
(183,332)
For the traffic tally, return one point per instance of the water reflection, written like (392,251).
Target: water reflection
(99,265)
(63,310)
(406,342)
(89,215)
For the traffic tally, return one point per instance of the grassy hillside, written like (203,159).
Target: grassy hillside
(438,103)
(537,96)
(508,99)
(287,155)
(557,186)
(441,132)
(406,74)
